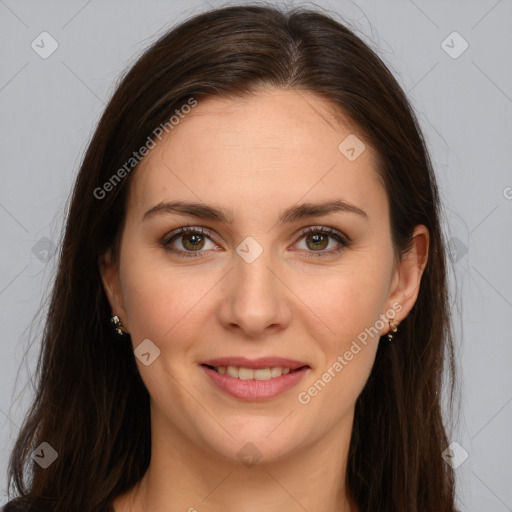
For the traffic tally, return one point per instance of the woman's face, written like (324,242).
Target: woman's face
(247,283)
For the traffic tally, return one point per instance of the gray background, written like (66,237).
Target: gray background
(49,108)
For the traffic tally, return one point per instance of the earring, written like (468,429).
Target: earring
(393,328)
(118,325)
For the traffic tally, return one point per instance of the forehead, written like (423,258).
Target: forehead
(284,145)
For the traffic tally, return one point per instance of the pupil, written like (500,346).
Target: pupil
(196,239)
(318,240)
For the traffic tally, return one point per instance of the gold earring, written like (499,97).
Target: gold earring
(118,325)
(393,328)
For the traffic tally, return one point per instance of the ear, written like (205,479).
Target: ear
(109,272)
(407,277)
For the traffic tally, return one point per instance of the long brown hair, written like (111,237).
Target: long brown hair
(90,402)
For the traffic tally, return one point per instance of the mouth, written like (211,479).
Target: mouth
(244,373)
(254,380)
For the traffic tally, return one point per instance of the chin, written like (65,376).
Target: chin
(257,442)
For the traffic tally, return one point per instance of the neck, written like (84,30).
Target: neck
(183,476)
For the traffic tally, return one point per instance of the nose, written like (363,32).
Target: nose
(255,302)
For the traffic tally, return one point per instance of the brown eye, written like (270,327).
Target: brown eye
(192,241)
(188,241)
(323,241)
(318,241)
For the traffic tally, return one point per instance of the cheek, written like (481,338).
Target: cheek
(348,299)
(155,300)
(349,307)
(164,303)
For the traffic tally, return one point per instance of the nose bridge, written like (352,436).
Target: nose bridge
(253,280)
(254,297)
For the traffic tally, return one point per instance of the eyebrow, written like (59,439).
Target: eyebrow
(291,214)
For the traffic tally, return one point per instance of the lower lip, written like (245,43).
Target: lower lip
(255,390)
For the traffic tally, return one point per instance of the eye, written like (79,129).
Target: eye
(188,241)
(317,240)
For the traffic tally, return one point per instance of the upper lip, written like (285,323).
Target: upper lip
(261,362)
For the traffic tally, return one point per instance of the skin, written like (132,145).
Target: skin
(255,156)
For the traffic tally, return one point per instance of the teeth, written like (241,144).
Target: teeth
(262,374)
(246,373)
(232,371)
(250,373)
(276,372)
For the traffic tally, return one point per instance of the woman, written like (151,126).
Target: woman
(250,309)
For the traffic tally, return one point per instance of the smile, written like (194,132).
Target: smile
(254,384)
(243,373)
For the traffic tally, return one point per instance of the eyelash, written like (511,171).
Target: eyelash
(342,240)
